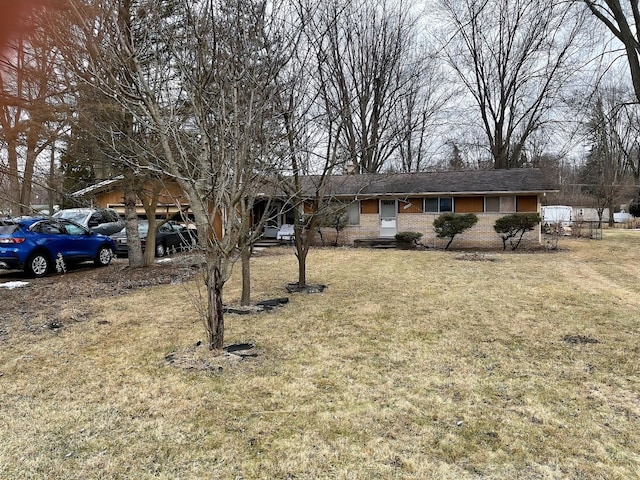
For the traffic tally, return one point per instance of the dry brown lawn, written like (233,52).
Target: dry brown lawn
(411,365)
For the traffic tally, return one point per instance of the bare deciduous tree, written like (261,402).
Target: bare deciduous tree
(606,174)
(420,112)
(377,80)
(206,96)
(622,21)
(31,108)
(514,58)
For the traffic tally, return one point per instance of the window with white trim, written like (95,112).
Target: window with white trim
(492,204)
(438,204)
(508,204)
(446,204)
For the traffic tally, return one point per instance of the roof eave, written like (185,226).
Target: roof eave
(98,187)
(443,193)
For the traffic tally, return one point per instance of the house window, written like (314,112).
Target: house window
(492,204)
(353,213)
(508,204)
(431,205)
(446,204)
(290,216)
(436,205)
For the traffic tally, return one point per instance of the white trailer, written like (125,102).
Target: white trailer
(557,214)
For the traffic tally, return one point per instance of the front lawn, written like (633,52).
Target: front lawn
(410,365)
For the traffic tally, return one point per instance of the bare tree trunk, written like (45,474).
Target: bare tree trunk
(245,242)
(149,254)
(52,177)
(302,268)
(131,221)
(14,177)
(614,17)
(610,206)
(149,200)
(29,166)
(246,277)
(303,241)
(215,320)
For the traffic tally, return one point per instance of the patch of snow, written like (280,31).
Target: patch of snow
(12,285)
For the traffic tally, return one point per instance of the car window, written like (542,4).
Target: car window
(7,228)
(46,227)
(75,215)
(73,229)
(96,219)
(167,228)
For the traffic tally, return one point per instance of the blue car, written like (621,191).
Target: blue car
(35,244)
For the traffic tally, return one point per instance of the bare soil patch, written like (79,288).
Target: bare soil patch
(56,300)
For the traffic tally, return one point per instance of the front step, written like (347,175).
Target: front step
(380,242)
(268,242)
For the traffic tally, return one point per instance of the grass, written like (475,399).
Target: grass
(411,365)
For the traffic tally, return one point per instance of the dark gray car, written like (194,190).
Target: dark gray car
(170,237)
(105,221)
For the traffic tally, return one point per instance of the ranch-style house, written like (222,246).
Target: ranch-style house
(381,205)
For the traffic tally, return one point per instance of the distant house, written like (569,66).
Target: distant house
(109,193)
(172,203)
(381,205)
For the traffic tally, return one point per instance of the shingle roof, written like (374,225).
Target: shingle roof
(518,181)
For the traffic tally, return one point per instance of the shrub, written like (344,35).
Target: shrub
(514,226)
(408,237)
(334,216)
(448,225)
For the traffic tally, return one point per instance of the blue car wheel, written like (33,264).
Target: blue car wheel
(104,256)
(38,265)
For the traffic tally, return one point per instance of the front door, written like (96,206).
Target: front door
(388,218)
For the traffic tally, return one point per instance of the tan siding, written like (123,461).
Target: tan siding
(527,203)
(369,206)
(469,204)
(411,205)
(105,199)
(307,207)
(170,193)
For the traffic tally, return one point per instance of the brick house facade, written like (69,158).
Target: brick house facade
(381,205)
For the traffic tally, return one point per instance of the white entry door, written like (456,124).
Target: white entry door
(388,218)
